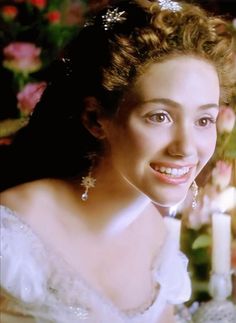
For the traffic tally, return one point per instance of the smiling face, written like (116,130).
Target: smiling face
(165,132)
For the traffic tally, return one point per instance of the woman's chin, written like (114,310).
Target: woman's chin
(166,203)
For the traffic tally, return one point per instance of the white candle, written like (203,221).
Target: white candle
(174,228)
(221,243)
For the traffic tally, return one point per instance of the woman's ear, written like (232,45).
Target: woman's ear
(91,116)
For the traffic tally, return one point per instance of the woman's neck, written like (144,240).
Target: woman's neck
(126,216)
(113,204)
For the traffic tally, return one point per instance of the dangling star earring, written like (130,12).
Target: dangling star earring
(88,181)
(194,189)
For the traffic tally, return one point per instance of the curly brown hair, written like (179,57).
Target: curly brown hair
(189,31)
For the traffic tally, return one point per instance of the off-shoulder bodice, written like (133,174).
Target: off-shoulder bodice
(37,283)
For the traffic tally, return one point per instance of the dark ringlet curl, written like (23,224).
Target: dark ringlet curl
(104,64)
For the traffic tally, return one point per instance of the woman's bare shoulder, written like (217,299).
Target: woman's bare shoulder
(32,197)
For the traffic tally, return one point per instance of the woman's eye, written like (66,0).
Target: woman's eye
(159,117)
(205,122)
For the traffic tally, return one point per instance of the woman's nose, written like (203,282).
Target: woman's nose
(182,143)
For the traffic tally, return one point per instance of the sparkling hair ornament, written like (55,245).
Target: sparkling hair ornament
(169,5)
(112,17)
(109,19)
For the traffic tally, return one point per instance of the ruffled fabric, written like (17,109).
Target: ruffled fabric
(22,272)
(172,274)
(38,283)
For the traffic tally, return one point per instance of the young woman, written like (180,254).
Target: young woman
(124,127)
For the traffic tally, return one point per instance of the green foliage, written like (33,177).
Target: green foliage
(202,241)
(226,145)
(32,24)
(196,244)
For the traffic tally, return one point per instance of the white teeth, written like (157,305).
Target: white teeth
(173,171)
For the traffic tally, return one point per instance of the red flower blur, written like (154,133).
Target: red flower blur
(9,12)
(54,16)
(40,4)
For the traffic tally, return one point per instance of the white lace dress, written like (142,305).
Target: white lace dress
(38,284)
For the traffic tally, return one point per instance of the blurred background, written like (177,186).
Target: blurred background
(32,33)
(219,6)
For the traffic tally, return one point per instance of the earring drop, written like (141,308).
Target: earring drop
(194,189)
(88,181)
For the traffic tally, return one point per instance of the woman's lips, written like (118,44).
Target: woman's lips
(171,173)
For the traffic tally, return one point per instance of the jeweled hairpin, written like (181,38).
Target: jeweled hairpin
(112,17)
(169,5)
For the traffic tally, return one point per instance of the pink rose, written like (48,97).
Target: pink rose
(226,119)
(221,174)
(22,57)
(29,96)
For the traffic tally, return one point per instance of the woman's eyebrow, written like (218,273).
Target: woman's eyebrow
(210,106)
(162,100)
(175,104)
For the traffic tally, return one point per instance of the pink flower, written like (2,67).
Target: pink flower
(226,119)
(40,4)
(22,57)
(9,12)
(54,16)
(29,96)
(221,174)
